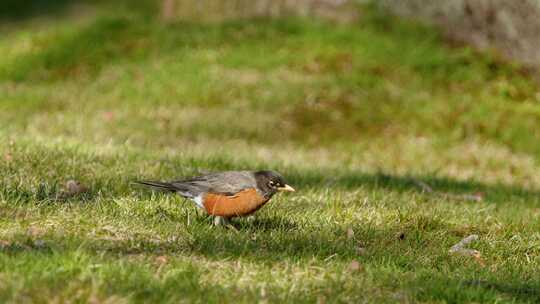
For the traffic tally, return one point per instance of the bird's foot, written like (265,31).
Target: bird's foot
(220,221)
(223,221)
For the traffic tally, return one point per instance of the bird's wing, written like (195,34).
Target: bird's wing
(228,182)
(184,189)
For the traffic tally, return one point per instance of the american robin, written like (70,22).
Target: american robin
(227,194)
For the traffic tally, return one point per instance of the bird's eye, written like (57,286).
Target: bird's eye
(271,183)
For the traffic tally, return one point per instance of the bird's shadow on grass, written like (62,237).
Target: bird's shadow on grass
(264,224)
(346,179)
(436,185)
(47,193)
(469,189)
(110,185)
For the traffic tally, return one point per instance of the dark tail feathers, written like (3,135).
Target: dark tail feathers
(158,185)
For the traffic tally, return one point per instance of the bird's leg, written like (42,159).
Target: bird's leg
(220,220)
(223,221)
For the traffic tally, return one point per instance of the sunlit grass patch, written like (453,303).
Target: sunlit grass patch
(398,147)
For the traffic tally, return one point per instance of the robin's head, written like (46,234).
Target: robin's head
(270,182)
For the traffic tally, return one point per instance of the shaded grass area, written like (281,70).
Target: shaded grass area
(16,10)
(356,117)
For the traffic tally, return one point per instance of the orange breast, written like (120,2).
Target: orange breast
(241,204)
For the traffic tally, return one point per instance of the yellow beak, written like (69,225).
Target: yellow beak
(286,188)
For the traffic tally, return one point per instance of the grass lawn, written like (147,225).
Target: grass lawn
(359,118)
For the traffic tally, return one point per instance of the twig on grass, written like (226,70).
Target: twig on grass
(460,249)
(461,244)
(477,197)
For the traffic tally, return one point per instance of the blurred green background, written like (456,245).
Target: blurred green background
(401,138)
(260,80)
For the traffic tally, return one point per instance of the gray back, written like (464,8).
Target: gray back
(227,182)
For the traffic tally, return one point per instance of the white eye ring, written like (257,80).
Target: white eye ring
(271,183)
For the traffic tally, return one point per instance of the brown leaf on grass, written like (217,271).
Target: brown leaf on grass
(8,157)
(72,188)
(477,197)
(35,231)
(162,260)
(108,116)
(478,257)
(355,266)
(350,234)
